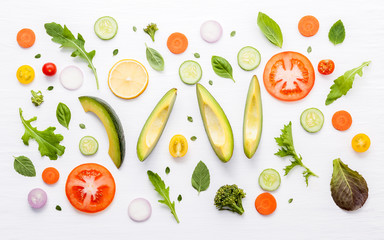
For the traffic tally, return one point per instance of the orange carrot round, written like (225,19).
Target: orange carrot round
(341,120)
(308,26)
(50,175)
(177,43)
(26,38)
(265,203)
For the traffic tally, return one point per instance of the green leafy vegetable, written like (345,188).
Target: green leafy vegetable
(37,98)
(190,119)
(290,200)
(134,28)
(115,52)
(197,55)
(58,208)
(200,177)
(343,83)
(50,88)
(193,138)
(229,197)
(167,170)
(337,33)
(348,188)
(233,33)
(151,30)
(222,67)
(82,126)
(24,166)
(285,141)
(270,29)
(179,198)
(159,185)
(154,58)
(49,142)
(38,56)
(210,82)
(309,49)
(65,37)
(63,114)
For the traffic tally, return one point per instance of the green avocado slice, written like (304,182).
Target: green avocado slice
(216,124)
(111,124)
(253,119)
(155,124)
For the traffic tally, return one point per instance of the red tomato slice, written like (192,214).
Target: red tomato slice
(90,188)
(289,76)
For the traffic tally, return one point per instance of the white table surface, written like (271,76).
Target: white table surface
(311,215)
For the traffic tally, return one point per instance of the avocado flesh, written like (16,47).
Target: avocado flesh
(253,119)
(216,124)
(155,124)
(111,124)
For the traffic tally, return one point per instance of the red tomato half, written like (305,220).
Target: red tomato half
(90,188)
(326,66)
(289,76)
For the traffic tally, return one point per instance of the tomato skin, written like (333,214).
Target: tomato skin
(361,142)
(326,66)
(289,76)
(49,69)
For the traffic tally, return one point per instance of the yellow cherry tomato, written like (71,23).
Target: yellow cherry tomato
(361,142)
(25,74)
(178,146)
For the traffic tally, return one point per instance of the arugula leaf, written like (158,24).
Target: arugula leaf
(159,185)
(337,33)
(200,177)
(154,58)
(222,67)
(63,114)
(285,141)
(270,29)
(343,83)
(49,142)
(24,166)
(64,37)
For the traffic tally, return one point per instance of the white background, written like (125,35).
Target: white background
(311,215)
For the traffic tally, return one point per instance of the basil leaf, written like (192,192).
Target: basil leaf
(337,33)
(63,115)
(24,166)
(200,177)
(222,67)
(115,52)
(154,59)
(270,29)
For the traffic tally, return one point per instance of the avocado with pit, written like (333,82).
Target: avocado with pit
(111,124)
(216,124)
(155,124)
(253,119)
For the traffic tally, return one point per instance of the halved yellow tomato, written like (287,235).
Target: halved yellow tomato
(178,146)
(361,142)
(25,74)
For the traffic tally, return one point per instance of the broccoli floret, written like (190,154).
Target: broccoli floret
(37,98)
(151,30)
(229,197)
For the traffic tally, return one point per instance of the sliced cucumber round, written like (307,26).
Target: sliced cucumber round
(269,180)
(312,120)
(106,27)
(88,145)
(248,58)
(190,72)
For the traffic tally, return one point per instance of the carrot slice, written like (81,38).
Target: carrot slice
(308,26)
(26,38)
(341,120)
(265,203)
(177,43)
(50,175)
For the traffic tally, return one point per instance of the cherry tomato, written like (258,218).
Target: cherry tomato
(326,66)
(49,69)
(25,74)
(361,142)
(90,188)
(178,146)
(289,76)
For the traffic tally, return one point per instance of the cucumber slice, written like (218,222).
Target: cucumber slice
(269,180)
(105,27)
(248,58)
(190,72)
(312,120)
(88,145)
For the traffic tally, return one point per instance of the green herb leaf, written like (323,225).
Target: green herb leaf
(134,28)
(49,142)
(58,208)
(24,166)
(348,188)
(210,82)
(343,83)
(82,126)
(50,88)
(201,177)
(337,33)
(65,37)
(190,119)
(290,200)
(63,114)
(38,55)
(222,67)
(193,138)
(115,52)
(179,198)
(154,59)
(270,29)
(233,33)
(159,185)
(151,30)
(309,49)
(197,55)
(167,170)
(37,98)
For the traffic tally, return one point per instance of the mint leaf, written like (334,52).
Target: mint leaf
(24,166)
(337,33)
(270,29)
(200,177)
(63,114)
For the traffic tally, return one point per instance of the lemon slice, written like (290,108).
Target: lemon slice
(128,78)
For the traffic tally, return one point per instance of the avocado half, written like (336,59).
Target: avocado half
(155,124)
(111,124)
(216,124)
(253,119)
